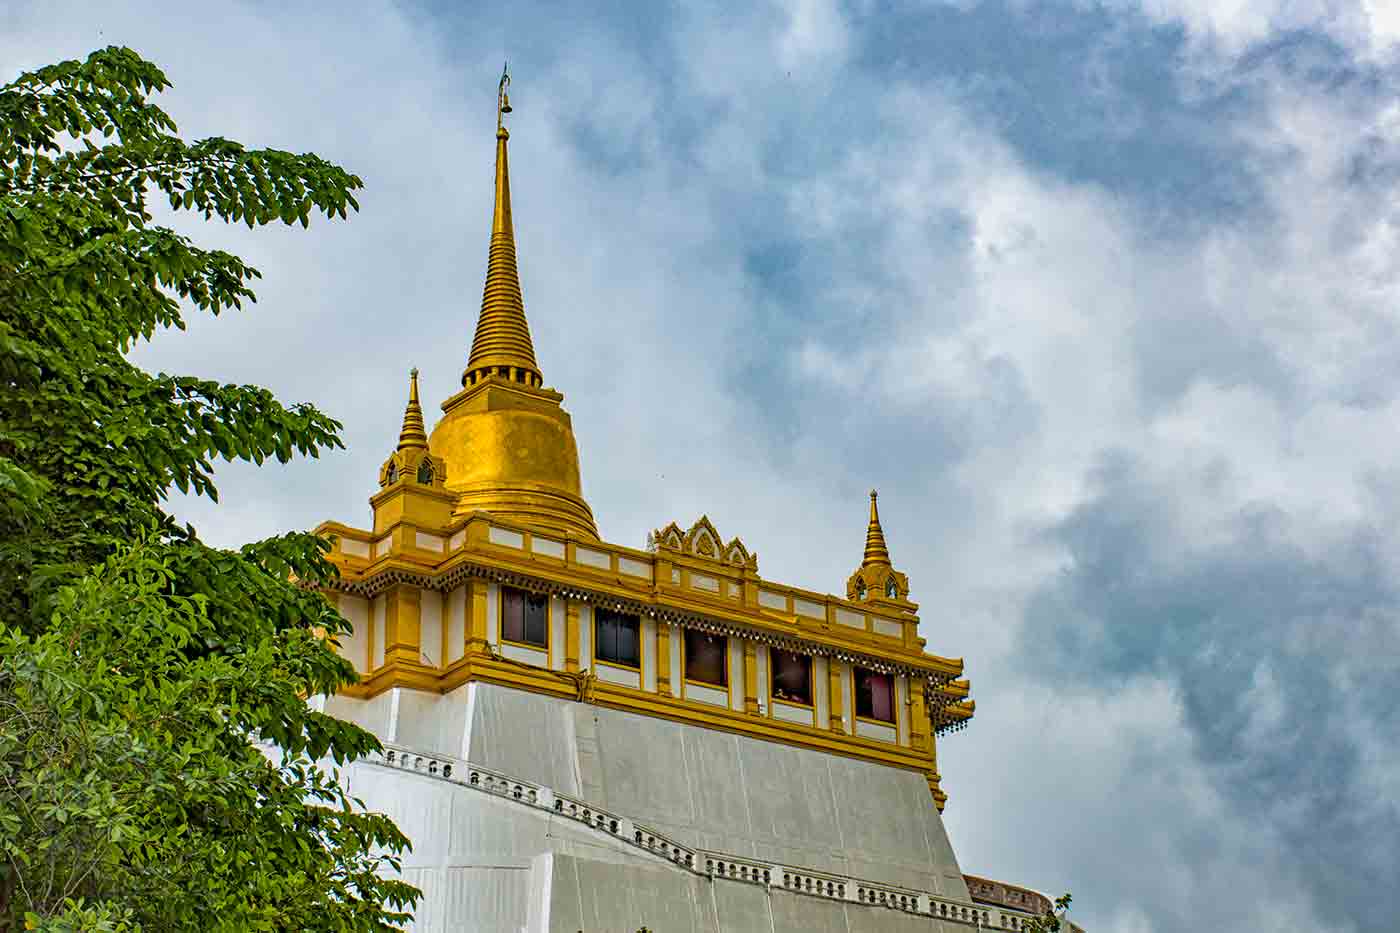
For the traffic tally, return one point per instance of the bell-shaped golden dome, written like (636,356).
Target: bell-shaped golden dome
(507,443)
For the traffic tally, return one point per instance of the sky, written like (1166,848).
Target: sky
(1101,296)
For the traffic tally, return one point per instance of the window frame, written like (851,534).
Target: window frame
(525,595)
(598,623)
(811,700)
(686,633)
(856,695)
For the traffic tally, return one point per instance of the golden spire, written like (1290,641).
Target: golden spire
(412,433)
(875,550)
(502,345)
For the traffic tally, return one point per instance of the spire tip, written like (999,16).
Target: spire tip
(875,550)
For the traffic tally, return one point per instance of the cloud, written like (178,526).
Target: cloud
(1285,664)
(1101,298)
(1368,27)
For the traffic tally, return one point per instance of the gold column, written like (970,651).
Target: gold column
(834,700)
(570,635)
(663,658)
(402,624)
(918,715)
(750,678)
(476,617)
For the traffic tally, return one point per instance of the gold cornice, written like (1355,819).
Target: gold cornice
(503,672)
(388,492)
(470,531)
(388,570)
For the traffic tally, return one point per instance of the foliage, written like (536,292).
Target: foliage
(1053,919)
(136,662)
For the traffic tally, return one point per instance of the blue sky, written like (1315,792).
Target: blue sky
(1101,295)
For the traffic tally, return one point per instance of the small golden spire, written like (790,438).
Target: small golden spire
(875,550)
(413,434)
(502,346)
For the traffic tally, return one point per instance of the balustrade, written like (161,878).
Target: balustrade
(709,864)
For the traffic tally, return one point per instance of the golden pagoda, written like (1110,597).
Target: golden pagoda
(501,643)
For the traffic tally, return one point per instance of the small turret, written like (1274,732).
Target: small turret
(877,579)
(411,459)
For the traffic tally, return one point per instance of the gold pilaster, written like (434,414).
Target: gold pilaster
(834,698)
(663,658)
(570,635)
(476,617)
(918,715)
(750,678)
(402,624)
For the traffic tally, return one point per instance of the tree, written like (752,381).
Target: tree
(1053,919)
(138,664)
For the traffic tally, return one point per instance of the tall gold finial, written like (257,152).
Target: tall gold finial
(502,345)
(875,550)
(412,433)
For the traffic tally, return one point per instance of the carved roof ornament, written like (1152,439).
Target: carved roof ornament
(877,580)
(703,541)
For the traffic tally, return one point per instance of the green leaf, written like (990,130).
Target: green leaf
(136,661)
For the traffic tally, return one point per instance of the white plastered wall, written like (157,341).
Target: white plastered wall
(354,646)
(430,627)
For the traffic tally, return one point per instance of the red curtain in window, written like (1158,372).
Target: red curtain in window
(882,697)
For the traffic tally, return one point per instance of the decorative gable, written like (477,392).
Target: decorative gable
(702,540)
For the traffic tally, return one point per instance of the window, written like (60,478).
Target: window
(617,637)
(705,658)
(792,676)
(874,695)
(892,590)
(524,617)
(425,473)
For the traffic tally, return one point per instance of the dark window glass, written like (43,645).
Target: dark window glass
(792,676)
(618,637)
(524,617)
(704,657)
(892,590)
(425,473)
(874,695)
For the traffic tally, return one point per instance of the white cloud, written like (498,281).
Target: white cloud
(1371,27)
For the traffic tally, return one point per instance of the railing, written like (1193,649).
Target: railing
(698,861)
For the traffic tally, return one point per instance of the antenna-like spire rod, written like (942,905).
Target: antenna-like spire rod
(503,98)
